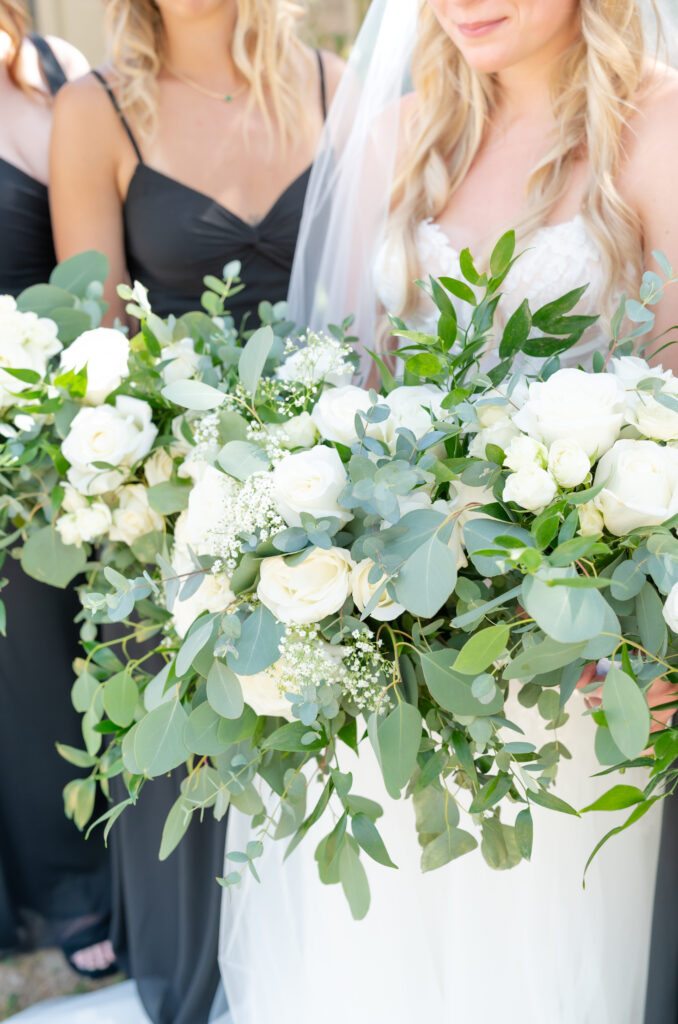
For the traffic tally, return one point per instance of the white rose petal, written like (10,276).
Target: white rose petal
(335,412)
(501,433)
(299,432)
(532,488)
(630,370)
(409,408)
(590,520)
(525,451)
(575,406)
(651,418)
(310,482)
(105,352)
(670,611)
(213,595)
(641,485)
(184,361)
(363,591)
(262,693)
(568,463)
(306,593)
(158,468)
(134,517)
(85,524)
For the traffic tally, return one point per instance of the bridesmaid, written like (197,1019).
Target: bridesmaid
(54,887)
(191,149)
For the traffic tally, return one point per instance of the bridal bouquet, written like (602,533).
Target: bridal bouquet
(337,566)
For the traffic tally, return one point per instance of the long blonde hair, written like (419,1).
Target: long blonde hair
(14,21)
(266,51)
(595,85)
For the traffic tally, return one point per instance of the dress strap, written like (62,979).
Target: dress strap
(123,119)
(51,68)
(323,87)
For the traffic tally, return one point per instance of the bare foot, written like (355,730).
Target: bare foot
(94,958)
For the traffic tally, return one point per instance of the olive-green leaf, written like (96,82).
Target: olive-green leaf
(616,798)
(399,738)
(224,691)
(446,847)
(367,835)
(354,881)
(120,698)
(481,650)
(46,558)
(175,827)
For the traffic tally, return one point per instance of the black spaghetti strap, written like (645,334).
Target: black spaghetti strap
(51,68)
(123,119)
(323,87)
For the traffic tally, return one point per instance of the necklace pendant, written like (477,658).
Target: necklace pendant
(228,98)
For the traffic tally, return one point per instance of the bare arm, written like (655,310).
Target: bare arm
(87,139)
(652,184)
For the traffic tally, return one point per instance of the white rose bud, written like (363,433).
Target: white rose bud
(641,485)
(105,352)
(568,463)
(575,406)
(310,482)
(532,488)
(263,693)
(590,520)
(184,361)
(158,468)
(299,432)
(409,407)
(134,517)
(525,451)
(651,418)
(363,591)
(84,525)
(670,611)
(306,593)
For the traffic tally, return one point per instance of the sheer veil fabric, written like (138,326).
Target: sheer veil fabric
(463,943)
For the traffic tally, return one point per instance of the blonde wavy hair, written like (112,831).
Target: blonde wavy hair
(266,50)
(594,88)
(14,21)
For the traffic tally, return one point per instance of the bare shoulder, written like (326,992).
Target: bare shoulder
(334,68)
(72,61)
(85,121)
(652,142)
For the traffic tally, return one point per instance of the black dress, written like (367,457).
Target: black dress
(166,914)
(662,991)
(54,885)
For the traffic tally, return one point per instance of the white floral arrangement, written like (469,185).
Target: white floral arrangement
(326,566)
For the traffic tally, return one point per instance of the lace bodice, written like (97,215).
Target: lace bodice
(557,259)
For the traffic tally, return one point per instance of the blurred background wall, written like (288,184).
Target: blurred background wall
(329,23)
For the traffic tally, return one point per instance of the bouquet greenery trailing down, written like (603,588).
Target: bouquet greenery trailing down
(322,567)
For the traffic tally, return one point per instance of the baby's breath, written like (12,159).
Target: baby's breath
(249,511)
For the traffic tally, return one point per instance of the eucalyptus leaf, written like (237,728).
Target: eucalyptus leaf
(224,692)
(253,358)
(193,394)
(399,738)
(626,712)
(46,558)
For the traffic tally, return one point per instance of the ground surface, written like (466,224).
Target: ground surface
(30,978)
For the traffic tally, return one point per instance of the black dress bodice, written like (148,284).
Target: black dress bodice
(27,249)
(176,235)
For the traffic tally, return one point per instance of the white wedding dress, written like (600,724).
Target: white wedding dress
(464,944)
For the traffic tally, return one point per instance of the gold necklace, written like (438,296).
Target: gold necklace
(224,98)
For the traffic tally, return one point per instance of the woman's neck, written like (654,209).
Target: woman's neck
(202,47)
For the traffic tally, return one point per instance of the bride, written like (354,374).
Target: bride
(552,116)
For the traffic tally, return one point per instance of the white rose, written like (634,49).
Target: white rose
(180,446)
(306,593)
(119,435)
(575,406)
(630,370)
(335,412)
(525,451)
(568,463)
(85,524)
(590,520)
(299,432)
(264,694)
(532,488)
(500,433)
(363,591)
(641,485)
(14,356)
(213,595)
(319,361)
(198,524)
(409,408)
(184,361)
(310,482)
(134,517)
(464,504)
(73,500)
(104,351)
(159,467)
(651,418)
(670,611)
